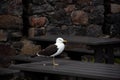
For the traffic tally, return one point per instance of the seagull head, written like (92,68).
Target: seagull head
(60,40)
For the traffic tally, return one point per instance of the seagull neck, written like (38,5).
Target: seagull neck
(58,43)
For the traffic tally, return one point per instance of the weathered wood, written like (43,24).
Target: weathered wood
(7,74)
(78,39)
(77,53)
(7,71)
(73,68)
(80,50)
(28,59)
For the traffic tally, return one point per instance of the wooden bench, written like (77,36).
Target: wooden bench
(19,59)
(103,48)
(76,53)
(7,74)
(70,68)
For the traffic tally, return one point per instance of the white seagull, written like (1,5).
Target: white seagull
(53,50)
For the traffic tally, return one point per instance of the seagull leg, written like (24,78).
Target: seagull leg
(54,63)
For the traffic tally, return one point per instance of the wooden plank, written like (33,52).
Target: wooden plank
(7,71)
(80,50)
(74,68)
(79,39)
(28,59)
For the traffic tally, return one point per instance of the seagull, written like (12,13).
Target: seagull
(53,50)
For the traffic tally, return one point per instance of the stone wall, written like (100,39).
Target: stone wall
(114,18)
(10,28)
(67,17)
(61,17)
(10,19)
(19,18)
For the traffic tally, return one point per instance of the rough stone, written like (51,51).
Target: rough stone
(58,17)
(3,35)
(29,48)
(69,8)
(115,8)
(36,21)
(97,15)
(79,17)
(13,7)
(36,32)
(94,30)
(115,1)
(115,30)
(60,5)
(78,30)
(97,2)
(39,2)
(10,22)
(113,18)
(83,2)
(52,29)
(65,30)
(6,52)
(39,9)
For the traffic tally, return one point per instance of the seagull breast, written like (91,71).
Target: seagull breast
(60,47)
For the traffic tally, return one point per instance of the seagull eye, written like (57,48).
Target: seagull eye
(60,39)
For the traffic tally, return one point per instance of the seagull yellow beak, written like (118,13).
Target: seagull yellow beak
(65,41)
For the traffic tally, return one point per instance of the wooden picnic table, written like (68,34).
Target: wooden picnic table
(103,47)
(71,68)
